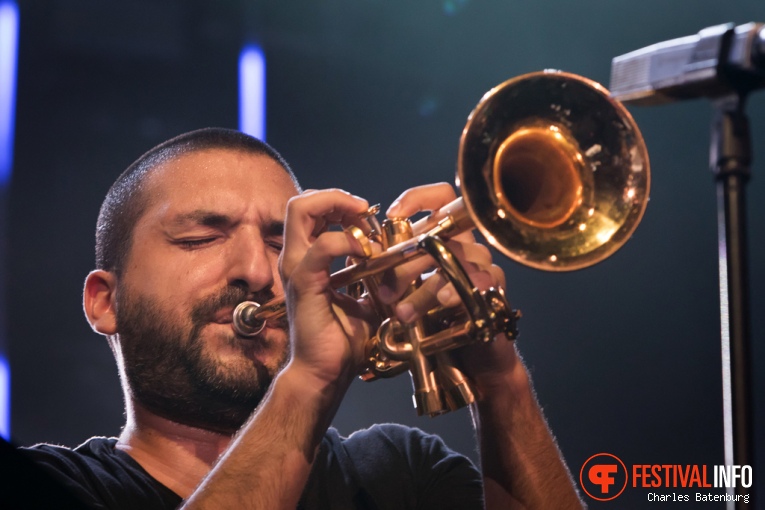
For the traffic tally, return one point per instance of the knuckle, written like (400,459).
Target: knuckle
(483,251)
(445,188)
(295,203)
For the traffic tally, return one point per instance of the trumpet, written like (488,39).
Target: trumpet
(555,175)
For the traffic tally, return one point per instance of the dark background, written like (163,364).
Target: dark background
(371,96)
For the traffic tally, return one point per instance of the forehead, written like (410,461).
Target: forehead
(220,178)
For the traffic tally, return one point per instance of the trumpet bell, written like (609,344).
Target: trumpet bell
(553,171)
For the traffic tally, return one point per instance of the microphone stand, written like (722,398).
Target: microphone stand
(730,157)
(723,63)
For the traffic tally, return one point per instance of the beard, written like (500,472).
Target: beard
(170,372)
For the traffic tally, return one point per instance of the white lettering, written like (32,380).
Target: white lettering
(730,475)
(725,477)
(722,497)
(746,476)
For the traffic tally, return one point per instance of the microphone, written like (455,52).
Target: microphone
(718,61)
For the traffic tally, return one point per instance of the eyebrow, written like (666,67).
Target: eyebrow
(218,220)
(274,228)
(202,217)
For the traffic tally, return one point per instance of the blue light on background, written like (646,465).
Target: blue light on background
(9,23)
(5,399)
(252,92)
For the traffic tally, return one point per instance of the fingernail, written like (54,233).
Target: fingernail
(445,295)
(405,312)
(393,206)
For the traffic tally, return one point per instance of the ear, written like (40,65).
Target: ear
(98,300)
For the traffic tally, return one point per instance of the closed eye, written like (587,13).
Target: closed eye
(191,244)
(277,246)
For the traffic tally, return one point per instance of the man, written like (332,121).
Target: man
(213,218)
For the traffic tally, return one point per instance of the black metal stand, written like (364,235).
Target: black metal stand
(730,157)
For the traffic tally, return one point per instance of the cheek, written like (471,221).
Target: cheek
(199,273)
(176,282)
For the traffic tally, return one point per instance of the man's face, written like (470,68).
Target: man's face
(209,239)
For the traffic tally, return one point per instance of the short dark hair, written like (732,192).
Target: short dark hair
(126,200)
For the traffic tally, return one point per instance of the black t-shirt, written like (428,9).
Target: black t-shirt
(385,467)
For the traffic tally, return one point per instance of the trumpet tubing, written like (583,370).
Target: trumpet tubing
(553,172)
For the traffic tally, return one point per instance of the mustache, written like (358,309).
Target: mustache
(228,297)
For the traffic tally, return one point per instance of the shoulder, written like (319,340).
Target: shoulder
(91,450)
(83,461)
(101,475)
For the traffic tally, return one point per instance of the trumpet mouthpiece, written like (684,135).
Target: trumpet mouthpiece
(246,322)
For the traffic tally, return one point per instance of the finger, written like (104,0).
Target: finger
(438,291)
(417,303)
(477,261)
(307,218)
(491,277)
(431,197)
(472,256)
(315,262)
(311,212)
(394,282)
(326,216)
(421,198)
(498,276)
(470,252)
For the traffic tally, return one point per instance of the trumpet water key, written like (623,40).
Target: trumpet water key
(555,175)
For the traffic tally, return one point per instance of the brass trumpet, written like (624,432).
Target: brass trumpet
(553,172)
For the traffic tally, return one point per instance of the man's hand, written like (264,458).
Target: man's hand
(485,364)
(267,465)
(521,464)
(327,328)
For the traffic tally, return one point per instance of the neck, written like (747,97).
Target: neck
(176,455)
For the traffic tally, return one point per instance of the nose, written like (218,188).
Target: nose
(251,263)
